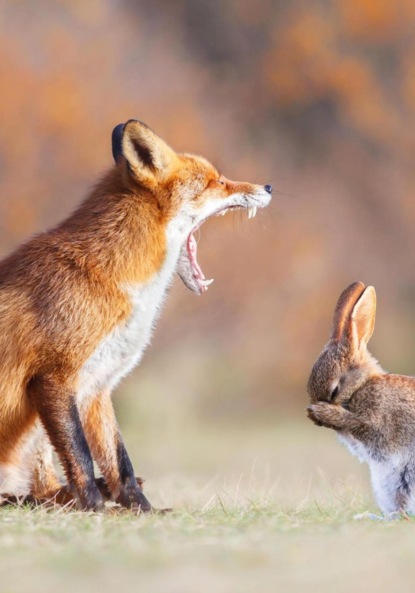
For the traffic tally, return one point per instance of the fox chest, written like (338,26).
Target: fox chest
(122,349)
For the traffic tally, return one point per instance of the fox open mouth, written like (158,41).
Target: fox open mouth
(189,269)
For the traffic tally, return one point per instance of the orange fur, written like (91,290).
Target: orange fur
(102,434)
(64,292)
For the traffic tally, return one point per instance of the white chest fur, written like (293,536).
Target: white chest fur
(387,476)
(122,349)
(355,447)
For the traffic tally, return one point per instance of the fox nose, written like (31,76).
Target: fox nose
(268,188)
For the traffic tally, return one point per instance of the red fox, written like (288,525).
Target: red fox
(77,308)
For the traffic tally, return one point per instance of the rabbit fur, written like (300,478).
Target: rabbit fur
(372,411)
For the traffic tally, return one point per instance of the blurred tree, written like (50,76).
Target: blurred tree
(316,98)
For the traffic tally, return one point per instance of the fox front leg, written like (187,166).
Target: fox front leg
(107,447)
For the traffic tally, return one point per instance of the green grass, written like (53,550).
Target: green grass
(251,546)
(265,508)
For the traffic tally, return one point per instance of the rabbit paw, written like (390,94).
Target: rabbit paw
(328,415)
(368,515)
(393,516)
(312,416)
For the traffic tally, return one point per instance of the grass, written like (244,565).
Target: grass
(255,546)
(269,510)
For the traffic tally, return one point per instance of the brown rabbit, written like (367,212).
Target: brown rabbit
(372,411)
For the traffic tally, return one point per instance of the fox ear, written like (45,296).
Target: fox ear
(363,318)
(344,308)
(116,142)
(147,155)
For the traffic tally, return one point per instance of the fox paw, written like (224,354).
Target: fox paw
(106,492)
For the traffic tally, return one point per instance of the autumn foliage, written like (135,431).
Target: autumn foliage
(317,98)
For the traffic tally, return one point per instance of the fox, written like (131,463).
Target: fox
(78,305)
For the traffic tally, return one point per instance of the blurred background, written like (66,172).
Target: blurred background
(316,98)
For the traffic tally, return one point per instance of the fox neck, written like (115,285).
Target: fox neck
(161,279)
(128,238)
(143,271)
(121,350)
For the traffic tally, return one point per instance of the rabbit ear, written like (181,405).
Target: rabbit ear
(344,308)
(363,317)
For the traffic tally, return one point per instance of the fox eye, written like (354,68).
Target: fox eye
(214,182)
(334,393)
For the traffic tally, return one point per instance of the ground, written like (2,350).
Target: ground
(264,508)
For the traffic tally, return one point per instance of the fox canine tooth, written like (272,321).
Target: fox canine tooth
(207,282)
(252,212)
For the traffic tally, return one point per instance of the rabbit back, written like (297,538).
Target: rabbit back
(372,411)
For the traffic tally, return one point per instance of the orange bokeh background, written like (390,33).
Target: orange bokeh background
(317,99)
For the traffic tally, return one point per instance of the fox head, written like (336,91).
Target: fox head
(188,190)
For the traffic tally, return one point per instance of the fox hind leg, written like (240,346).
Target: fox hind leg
(56,405)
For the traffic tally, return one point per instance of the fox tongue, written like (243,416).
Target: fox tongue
(193,276)
(192,247)
(188,268)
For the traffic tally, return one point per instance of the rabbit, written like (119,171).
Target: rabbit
(371,410)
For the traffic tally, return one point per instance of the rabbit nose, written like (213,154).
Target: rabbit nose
(268,188)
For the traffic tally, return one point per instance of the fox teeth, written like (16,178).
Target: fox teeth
(207,282)
(252,212)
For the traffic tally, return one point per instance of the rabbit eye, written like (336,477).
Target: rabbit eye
(334,393)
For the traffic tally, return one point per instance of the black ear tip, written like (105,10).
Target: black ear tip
(116,141)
